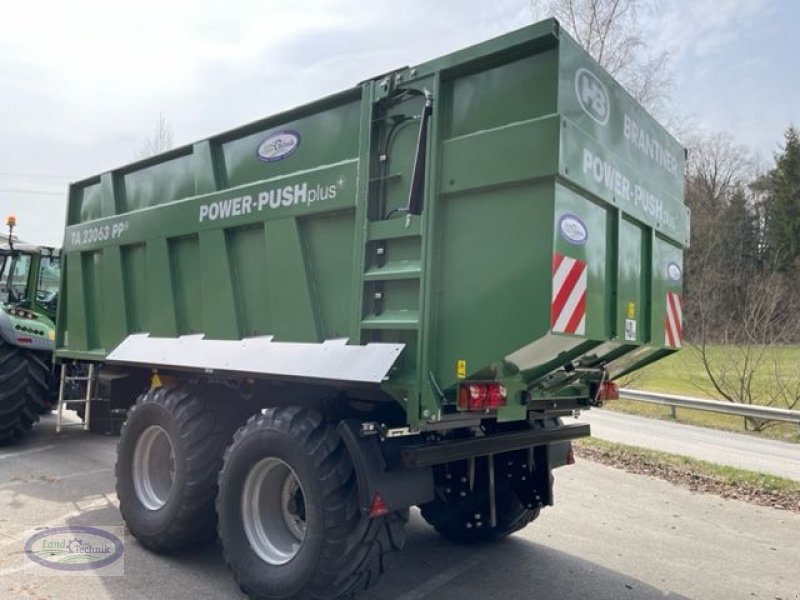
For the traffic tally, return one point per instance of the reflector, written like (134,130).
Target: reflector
(608,391)
(378,508)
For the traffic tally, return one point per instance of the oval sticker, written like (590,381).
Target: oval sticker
(74,548)
(674,271)
(573,230)
(279,145)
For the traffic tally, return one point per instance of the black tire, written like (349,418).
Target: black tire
(24,377)
(457,522)
(343,550)
(13,381)
(199,426)
(40,384)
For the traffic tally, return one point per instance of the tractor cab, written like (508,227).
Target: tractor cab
(29,278)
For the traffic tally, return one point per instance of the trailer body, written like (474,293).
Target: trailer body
(427,269)
(298,227)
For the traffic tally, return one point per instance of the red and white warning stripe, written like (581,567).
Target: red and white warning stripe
(673,323)
(568,306)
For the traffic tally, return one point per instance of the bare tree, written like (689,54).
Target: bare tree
(724,245)
(739,313)
(611,32)
(160,139)
(718,164)
(748,369)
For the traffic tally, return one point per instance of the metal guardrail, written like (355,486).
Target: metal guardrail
(765,413)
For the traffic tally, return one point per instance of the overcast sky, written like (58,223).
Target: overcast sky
(83,83)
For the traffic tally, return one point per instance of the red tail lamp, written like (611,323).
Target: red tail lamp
(608,391)
(482,396)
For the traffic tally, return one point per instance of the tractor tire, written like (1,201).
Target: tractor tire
(13,381)
(468,522)
(168,458)
(23,390)
(289,515)
(40,384)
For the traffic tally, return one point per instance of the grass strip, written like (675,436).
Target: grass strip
(697,475)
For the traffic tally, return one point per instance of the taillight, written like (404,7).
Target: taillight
(608,391)
(482,396)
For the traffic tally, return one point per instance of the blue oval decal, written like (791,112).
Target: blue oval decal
(573,230)
(674,271)
(74,548)
(279,145)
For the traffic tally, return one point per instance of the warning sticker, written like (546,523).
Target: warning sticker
(461,369)
(630,330)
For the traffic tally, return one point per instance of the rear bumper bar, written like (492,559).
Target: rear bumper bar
(426,455)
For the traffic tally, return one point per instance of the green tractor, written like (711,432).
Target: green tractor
(29,278)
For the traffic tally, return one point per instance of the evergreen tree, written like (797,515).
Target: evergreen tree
(782,205)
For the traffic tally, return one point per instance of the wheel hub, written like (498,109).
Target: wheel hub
(153,467)
(274,511)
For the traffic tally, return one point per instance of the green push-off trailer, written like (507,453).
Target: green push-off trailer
(383,299)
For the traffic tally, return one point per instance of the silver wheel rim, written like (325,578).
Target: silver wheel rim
(153,467)
(273,511)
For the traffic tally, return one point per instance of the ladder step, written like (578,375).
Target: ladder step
(407,269)
(392,319)
(68,401)
(400,227)
(386,177)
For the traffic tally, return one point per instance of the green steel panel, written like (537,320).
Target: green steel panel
(296,225)
(108,207)
(592,251)
(113,302)
(92,269)
(135,286)
(73,329)
(207,171)
(162,320)
(591,100)
(492,275)
(247,252)
(529,151)
(667,278)
(293,314)
(325,137)
(158,183)
(475,105)
(87,202)
(327,242)
(633,306)
(186,283)
(219,315)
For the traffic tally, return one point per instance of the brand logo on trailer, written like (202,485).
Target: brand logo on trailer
(674,271)
(573,230)
(279,145)
(592,95)
(673,323)
(568,305)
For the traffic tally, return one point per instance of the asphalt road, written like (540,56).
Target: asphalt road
(721,447)
(611,536)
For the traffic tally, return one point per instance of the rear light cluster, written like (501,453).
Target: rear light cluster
(608,391)
(482,396)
